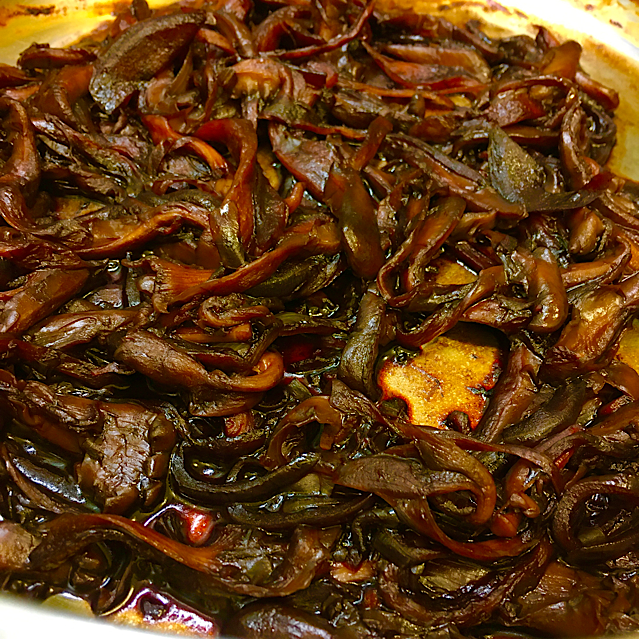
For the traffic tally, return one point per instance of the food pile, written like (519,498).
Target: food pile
(219,220)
